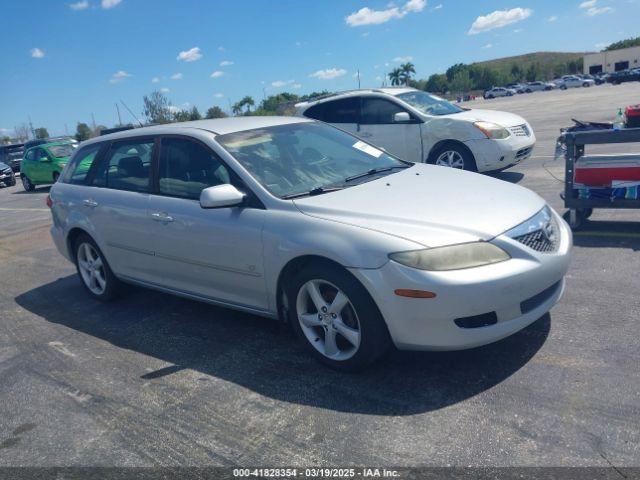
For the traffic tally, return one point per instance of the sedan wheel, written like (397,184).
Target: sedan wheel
(450,158)
(26,183)
(328,320)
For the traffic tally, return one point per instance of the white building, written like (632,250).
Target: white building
(612,61)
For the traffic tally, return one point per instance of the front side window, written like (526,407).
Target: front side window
(345,110)
(81,164)
(127,166)
(187,167)
(31,155)
(289,160)
(431,104)
(378,111)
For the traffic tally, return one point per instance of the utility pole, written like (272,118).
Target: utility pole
(118,110)
(93,121)
(358,79)
(66,130)
(33,132)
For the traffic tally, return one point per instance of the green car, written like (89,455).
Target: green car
(43,164)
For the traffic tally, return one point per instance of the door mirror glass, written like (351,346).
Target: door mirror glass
(220,196)
(45,159)
(401,117)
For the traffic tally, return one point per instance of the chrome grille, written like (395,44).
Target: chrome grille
(520,130)
(544,240)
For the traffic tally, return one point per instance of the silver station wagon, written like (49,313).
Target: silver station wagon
(294,219)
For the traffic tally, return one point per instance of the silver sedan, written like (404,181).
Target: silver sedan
(297,220)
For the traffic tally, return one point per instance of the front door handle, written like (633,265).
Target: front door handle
(161,217)
(90,203)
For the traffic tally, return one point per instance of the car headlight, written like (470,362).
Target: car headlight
(492,130)
(452,257)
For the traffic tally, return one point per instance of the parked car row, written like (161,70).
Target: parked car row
(562,83)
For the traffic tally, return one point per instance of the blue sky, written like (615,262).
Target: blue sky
(62,61)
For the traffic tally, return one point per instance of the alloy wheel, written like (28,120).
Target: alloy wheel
(25,182)
(450,158)
(328,320)
(91,268)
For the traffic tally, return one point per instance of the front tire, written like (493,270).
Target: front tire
(454,156)
(336,318)
(27,184)
(94,271)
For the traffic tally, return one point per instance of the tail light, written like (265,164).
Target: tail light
(49,201)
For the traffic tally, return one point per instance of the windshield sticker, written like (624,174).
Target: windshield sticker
(368,149)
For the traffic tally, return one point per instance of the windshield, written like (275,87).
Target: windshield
(429,104)
(302,157)
(60,151)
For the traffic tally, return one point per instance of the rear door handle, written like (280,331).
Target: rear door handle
(161,217)
(90,203)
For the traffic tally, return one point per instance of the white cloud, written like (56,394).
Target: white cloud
(174,109)
(218,95)
(588,4)
(221,49)
(155,80)
(602,45)
(176,76)
(217,74)
(488,45)
(81,5)
(498,19)
(296,86)
(367,16)
(517,30)
(37,53)
(329,73)
(592,12)
(438,7)
(552,18)
(226,63)
(190,55)
(165,90)
(107,4)
(408,58)
(119,76)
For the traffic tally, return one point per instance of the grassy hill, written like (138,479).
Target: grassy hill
(547,62)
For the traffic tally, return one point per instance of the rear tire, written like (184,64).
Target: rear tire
(336,318)
(26,183)
(93,269)
(56,176)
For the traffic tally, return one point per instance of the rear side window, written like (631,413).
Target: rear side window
(187,168)
(378,111)
(345,110)
(82,162)
(127,166)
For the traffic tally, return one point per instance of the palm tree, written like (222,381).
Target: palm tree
(395,76)
(407,69)
(237,108)
(247,102)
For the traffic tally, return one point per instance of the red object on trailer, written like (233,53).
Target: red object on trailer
(632,114)
(606,171)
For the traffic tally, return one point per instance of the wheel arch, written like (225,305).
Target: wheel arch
(72,236)
(442,143)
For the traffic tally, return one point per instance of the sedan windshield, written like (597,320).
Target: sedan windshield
(60,151)
(429,104)
(307,158)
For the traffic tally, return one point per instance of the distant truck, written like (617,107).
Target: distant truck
(12,155)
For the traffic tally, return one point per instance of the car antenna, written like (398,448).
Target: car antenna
(132,114)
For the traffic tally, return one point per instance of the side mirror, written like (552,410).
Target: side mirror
(220,196)
(45,159)
(401,117)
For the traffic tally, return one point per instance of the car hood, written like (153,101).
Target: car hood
(429,205)
(505,119)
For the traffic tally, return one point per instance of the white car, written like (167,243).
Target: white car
(538,87)
(293,219)
(496,92)
(421,127)
(572,81)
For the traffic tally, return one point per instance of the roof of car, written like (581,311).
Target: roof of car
(350,93)
(218,126)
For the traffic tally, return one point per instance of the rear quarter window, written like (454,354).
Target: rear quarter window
(82,162)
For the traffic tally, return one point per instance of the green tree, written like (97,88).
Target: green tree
(41,133)
(181,116)
(194,114)
(461,82)
(248,102)
(5,140)
(629,42)
(83,132)
(407,69)
(237,108)
(215,112)
(156,108)
(532,72)
(437,83)
(396,76)
(516,73)
(454,69)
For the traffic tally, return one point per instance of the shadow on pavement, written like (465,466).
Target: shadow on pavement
(608,234)
(256,354)
(511,177)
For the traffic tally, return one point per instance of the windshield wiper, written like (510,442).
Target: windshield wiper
(374,171)
(312,192)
